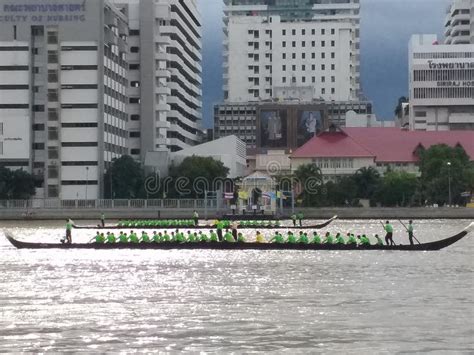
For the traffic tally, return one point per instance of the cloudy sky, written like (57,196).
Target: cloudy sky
(386,27)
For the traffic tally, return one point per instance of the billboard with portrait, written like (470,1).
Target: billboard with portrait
(310,123)
(273,129)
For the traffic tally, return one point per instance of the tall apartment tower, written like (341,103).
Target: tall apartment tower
(63,82)
(287,49)
(459,24)
(165,78)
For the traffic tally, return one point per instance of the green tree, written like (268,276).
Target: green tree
(438,164)
(17,184)
(367,181)
(126,177)
(310,178)
(204,173)
(397,188)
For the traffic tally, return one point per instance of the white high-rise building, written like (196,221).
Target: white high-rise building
(274,48)
(441,85)
(63,82)
(165,78)
(459,24)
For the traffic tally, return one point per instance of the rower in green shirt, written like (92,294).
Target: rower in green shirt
(351,239)
(203,237)
(145,237)
(133,238)
(389,237)
(364,240)
(214,237)
(180,238)
(329,239)
(303,239)
(278,238)
(157,237)
(190,238)
(316,238)
(240,238)
(111,238)
(340,239)
(228,237)
(123,238)
(291,238)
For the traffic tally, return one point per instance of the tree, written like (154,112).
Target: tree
(436,173)
(367,181)
(398,109)
(195,175)
(126,177)
(397,188)
(17,184)
(310,178)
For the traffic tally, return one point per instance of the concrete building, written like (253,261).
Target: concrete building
(165,78)
(275,47)
(459,23)
(63,99)
(441,84)
(342,152)
(231,151)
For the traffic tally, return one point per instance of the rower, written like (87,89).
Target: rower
(278,238)
(195,218)
(180,238)
(214,237)
(316,238)
(145,237)
(173,237)
(410,232)
(99,238)
(240,238)
(291,238)
(259,238)
(303,239)
(389,237)
(228,237)
(133,237)
(203,237)
(340,239)
(329,239)
(190,238)
(157,237)
(293,218)
(123,238)
(364,240)
(351,239)
(300,218)
(111,238)
(379,240)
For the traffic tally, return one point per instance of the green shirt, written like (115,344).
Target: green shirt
(303,239)
(156,238)
(329,240)
(214,237)
(123,238)
(229,238)
(352,240)
(111,238)
(340,240)
(316,239)
(291,239)
(241,238)
(278,238)
(166,237)
(68,226)
(410,228)
(389,228)
(133,238)
(364,240)
(204,238)
(145,238)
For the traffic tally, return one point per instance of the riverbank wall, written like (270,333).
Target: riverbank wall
(171,213)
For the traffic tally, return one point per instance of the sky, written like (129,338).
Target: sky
(386,27)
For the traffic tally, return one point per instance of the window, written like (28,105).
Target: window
(135,151)
(303,32)
(333,66)
(38,127)
(323,79)
(323,91)
(293,32)
(135,84)
(323,67)
(38,146)
(52,114)
(52,57)
(420,114)
(134,49)
(283,68)
(323,31)
(303,67)
(303,44)
(283,56)
(313,55)
(53,95)
(303,79)
(313,79)
(313,31)
(52,37)
(333,43)
(333,55)
(323,55)
(53,191)
(135,117)
(134,32)
(134,66)
(38,108)
(323,43)
(1,148)
(333,91)
(333,31)
(52,76)
(283,32)
(313,67)
(303,55)
(53,133)
(333,79)
(293,55)
(1,128)
(134,100)
(293,67)
(293,44)
(283,80)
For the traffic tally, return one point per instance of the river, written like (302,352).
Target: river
(360,302)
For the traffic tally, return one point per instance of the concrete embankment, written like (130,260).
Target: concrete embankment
(313,213)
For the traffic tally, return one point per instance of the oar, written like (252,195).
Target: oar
(407,231)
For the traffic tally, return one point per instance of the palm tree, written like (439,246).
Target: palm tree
(367,180)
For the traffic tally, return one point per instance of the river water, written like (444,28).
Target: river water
(360,302)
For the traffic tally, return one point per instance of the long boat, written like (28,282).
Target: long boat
(431,246)
(201,226)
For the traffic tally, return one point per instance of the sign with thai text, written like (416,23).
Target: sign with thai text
(42,12)
(465,65)
(459,83)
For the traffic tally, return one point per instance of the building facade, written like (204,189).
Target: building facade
(459,23)
(63,99)
(441,84)
(274,46)
(165,78)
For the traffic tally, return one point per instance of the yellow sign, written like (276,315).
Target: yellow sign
(243,195)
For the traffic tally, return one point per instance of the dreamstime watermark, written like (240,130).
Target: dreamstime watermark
(184,186)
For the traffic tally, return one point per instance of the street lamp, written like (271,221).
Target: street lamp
(449,182)
(87,180)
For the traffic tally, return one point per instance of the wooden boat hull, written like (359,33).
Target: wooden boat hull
(437,245)
(207,227)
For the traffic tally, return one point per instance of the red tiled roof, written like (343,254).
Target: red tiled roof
(385,144)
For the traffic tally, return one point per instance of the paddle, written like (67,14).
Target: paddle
(407,231)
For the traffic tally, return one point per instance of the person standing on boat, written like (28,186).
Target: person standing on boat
(195,218)
(300,218)
(219,227)
(389,236)
(293,218)
(102,219)
(410,232)
(69,226)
